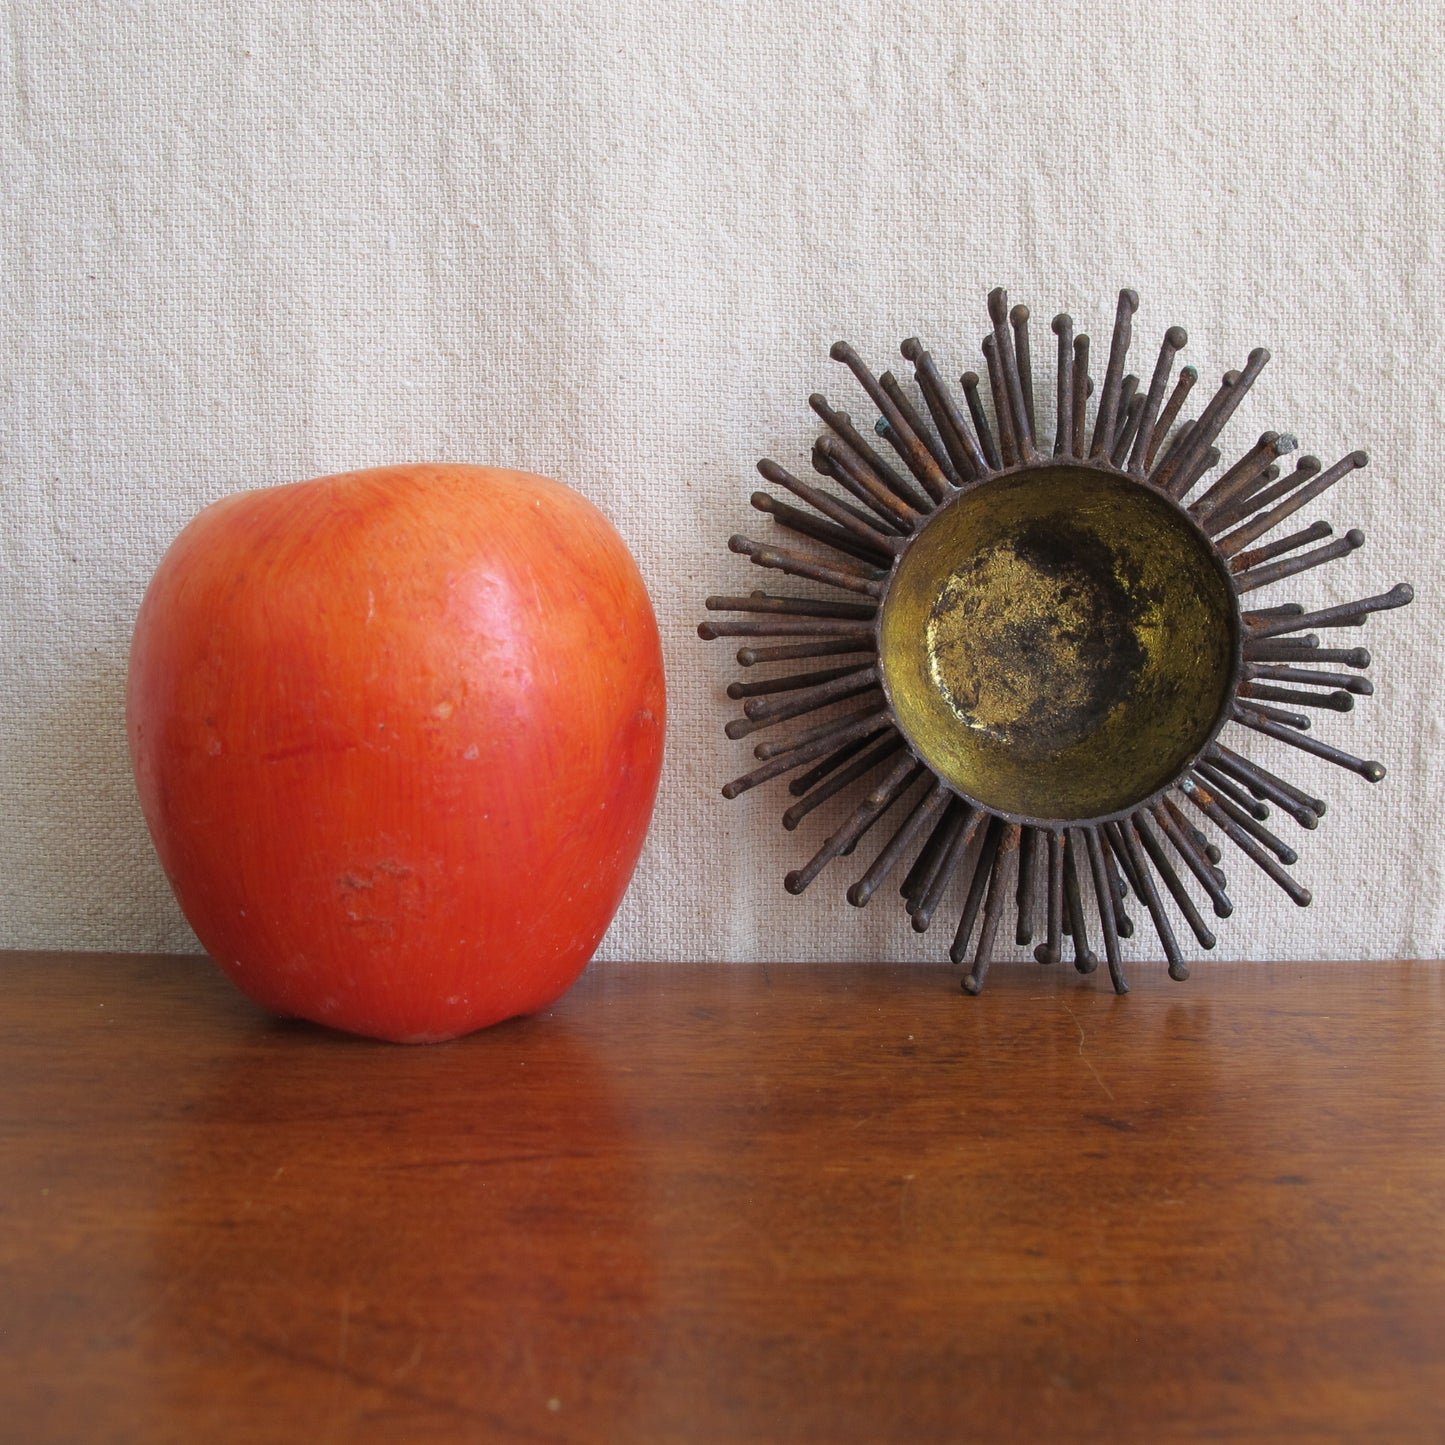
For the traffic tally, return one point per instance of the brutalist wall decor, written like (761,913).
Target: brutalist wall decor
(1037,647)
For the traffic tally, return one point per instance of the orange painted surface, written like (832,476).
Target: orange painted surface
(397,735)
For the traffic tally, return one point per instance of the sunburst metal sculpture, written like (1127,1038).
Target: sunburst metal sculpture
(1038,647)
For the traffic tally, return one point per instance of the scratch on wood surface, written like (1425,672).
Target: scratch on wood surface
(410,1363)
(172,1288)
(339,1370)
(1088,1064)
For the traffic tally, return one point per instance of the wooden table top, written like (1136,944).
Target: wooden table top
(729,1203)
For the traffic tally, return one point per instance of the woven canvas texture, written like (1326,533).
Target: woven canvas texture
(612,243)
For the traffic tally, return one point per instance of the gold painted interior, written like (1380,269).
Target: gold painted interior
(1058,643)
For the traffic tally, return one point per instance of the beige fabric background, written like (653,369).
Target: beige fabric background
(611,242)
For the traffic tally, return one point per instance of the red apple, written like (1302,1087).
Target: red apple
(397,736)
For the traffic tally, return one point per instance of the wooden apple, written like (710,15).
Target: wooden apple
(397,736)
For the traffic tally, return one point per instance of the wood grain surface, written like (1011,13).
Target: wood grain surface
(729,1203)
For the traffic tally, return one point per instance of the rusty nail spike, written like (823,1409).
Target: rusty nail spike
(1211,808)
(1361,686)
(1188,375)
(804,782)
(1268,521)
(1399,595)
(764,712)
(1178,444)
(1104,899)
(1232,513)
(836,459)
(829,647)
(882,509)
(1081,388)
(1008,442)
(892,803)
(859,633)
(1289,567)
(1245,474)
(930,858)
(1224,786)
(953,426)
(838,730)
(1123,924)
(1131,407)
(805,525)
(841,425)
(895,783)
(883,530)
(983,865)
(1218,412)
(1154,847)
(1029,843)
(1181,469)
(1166,816)
(1085,959)
(969,382)
(792,683)
(1202,844)
(795,606)
(1299,645)
(866,529)
(775,709)
(794,757)
(1019,317)
(1135,853)
(1279,715)
(1173,470)
(923,815)
(844,778)
(840,463)
(915,454)
(850,576)
(1315,532)
(1000,884)
(920,428)
(966,827)
(925,865)
(1107,416)
(1052,949)
(1175,339)
(793,519)
(830,777)
(1199,467)
(1266,692)
(1258,718)
(1241,819)
(1121,865)
(1013,391)
(1063,328)
(1305,810)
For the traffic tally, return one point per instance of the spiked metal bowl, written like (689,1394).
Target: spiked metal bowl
(1038,651)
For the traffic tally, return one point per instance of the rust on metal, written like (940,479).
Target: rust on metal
(1046,650)
(792,652)
(1175,340)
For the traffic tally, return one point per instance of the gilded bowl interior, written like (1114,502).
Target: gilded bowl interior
(1059,642)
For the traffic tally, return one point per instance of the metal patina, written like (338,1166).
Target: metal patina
(1037,649)
(1058,643)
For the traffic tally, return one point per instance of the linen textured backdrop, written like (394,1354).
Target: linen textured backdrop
(612,242)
